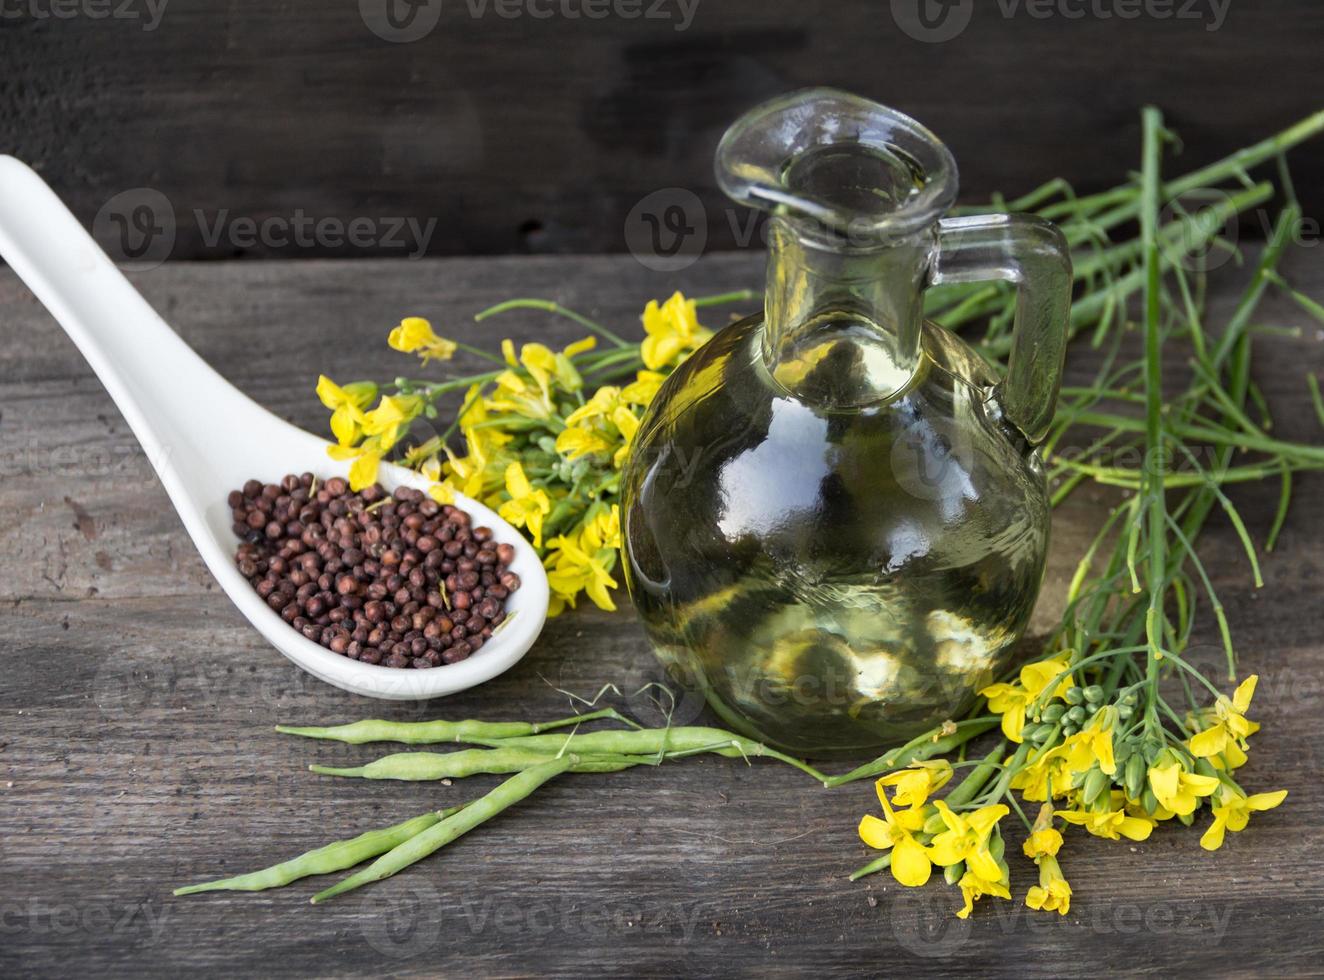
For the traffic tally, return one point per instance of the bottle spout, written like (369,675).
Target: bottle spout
(855,192)
(838,167)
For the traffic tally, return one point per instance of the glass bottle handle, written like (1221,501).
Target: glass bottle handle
(1031,253)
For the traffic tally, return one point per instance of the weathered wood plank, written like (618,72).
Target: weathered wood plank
(136,712)
(537,134)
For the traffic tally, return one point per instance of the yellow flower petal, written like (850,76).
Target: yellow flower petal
(910,863)
(874,832)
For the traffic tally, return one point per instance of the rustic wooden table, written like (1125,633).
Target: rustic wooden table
(137,750)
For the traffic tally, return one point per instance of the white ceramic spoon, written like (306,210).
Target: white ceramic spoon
(205,437)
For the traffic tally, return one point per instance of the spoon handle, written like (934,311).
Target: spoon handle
(179,408)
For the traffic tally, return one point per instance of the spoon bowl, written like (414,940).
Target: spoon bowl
(204,438)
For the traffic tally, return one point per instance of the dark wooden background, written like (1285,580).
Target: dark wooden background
(540,135)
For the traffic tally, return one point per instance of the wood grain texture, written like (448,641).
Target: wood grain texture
(519,134)
(136,714)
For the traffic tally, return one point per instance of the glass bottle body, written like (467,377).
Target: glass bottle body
(833,580)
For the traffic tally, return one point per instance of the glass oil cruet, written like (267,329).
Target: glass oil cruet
(835,516)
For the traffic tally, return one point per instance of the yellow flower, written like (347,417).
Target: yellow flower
(1093,744)
(643,388)
(367,457)
(1232,812)
(1231,726)
(673,329)
(1052,893)
(602,424)
(582,564)
(1045,840)
(526,506)
(974,888)
(474,475)
(967,839)
(604,529)
(1047,776)
(415,334)
(1178,790)
(347,405)
(1112,823)
(1011,700)
(604,402)
(392,417)
(517,395)
(915,784)
(910,859)
(627,425)
(424,453)
(576,442)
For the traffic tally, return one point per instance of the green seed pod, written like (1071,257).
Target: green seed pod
(935,824)
(953,872)
(996,845)
(1135,775)
(1076,715)
(1149,801)
(1074,695)
(1204,767)
(1096,783)
(1093,694)
(1053,712)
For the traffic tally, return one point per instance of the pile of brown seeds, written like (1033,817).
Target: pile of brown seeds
(398,579)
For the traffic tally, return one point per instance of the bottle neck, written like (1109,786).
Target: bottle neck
(843,323)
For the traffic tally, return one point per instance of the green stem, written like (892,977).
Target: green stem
(548,306)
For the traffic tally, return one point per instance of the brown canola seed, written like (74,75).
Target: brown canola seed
(362,574)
